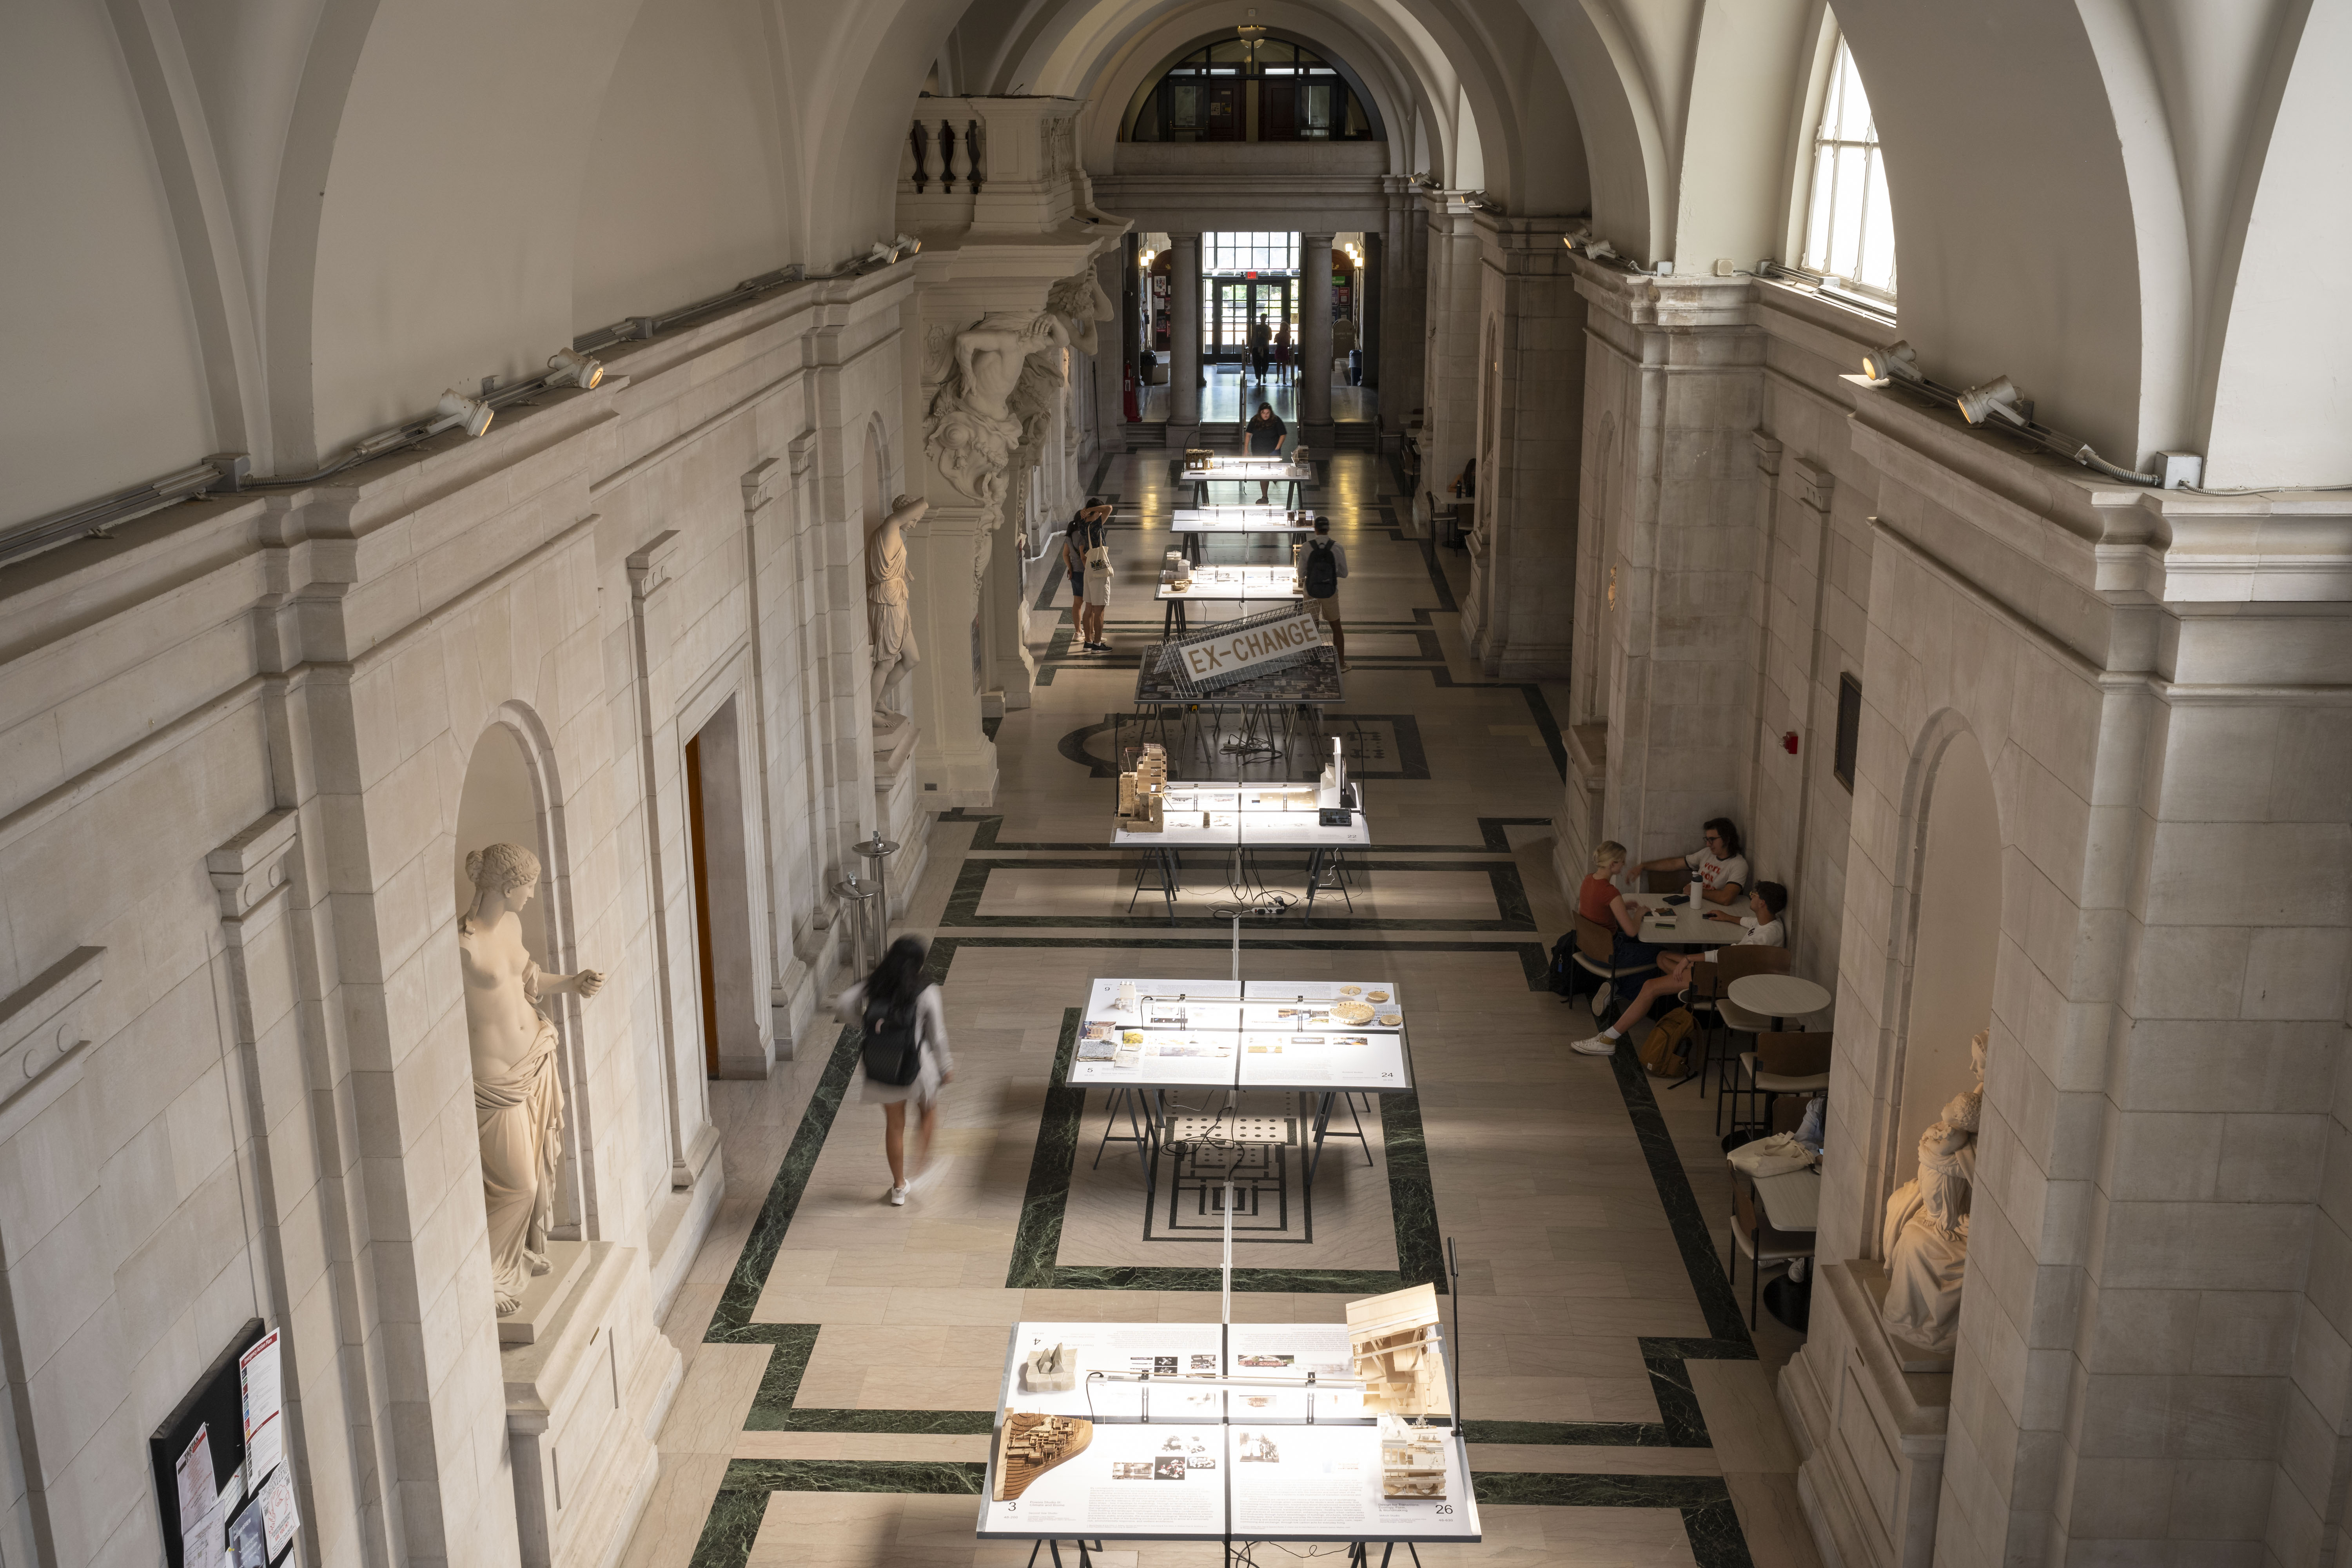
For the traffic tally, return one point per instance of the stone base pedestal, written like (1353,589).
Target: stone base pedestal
(905,819)
(1872,1434)
(581,1401)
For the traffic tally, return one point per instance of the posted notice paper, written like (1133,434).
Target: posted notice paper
(199,1499)
(265,1430)
(279,1518)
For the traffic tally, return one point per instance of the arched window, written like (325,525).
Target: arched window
(1276,90)
(1849,224)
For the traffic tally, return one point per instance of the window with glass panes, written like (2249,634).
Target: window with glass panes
(1849,223)
(1245,251)
(1225,92)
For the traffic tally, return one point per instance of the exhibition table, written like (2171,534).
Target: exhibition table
(1248,584)
(1225,470)
(1242,831)
(1251,1462)
(1778,996)
(1792,1200)
(1192,525)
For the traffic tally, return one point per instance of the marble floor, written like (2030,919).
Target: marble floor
(1223,398)
(843,1357)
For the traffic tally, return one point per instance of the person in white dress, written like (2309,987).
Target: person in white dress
(897,987)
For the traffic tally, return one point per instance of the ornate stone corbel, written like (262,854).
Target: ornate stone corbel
(971,432)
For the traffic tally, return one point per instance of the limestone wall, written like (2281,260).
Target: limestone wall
(236,735)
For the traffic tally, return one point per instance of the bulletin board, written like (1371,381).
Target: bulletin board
(237,1394)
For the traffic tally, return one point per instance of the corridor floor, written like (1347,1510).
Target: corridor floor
(843,1357)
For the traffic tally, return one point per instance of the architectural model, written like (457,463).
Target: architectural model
(1394,1341)
(1142,793)
(1054,1371)
(1027,1446)
(1413,1460)
(1198,457)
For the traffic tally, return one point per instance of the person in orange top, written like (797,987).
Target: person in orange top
(1599,889)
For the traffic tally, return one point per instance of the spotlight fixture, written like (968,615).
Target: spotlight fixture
(1600,250)
(457,411)
(1996,399)
(1251,34)
(908,245)
(1896,362)
(569,367)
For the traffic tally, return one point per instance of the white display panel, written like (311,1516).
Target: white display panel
(1102,997)
(1325,991)
(1323,1483)
(1196,797)
(1289,1351)
(1177,835)
(1128,1483)
(1165,1059)
(1164,1350)
(1331,1059)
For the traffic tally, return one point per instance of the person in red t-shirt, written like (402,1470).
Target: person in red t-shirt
(1599,889)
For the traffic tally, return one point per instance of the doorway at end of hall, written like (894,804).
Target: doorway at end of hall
(1236,304)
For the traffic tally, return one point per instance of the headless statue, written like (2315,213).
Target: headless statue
(518,1093)
(1926,1239)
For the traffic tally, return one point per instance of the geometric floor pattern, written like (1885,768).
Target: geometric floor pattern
(841,1356)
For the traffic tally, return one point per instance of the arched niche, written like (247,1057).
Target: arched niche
(1955,914)
(508,799)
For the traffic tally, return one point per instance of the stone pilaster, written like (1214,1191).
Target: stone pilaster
(1450,389)
(1678,368)
(1315,340)
(1404,299)
(1530,376)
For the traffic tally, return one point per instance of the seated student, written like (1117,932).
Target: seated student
(1765,929)
(1720,864)
(1599,889)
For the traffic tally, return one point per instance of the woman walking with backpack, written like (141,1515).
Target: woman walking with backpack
(907,1060)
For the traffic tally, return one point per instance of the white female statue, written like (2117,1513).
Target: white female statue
(892,618)
(518,1094)
(1926,1238)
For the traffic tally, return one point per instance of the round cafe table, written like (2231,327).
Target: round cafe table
(1779,997)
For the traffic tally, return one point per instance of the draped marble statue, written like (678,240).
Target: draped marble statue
(891,615)
(1925,1237)
(518,1092)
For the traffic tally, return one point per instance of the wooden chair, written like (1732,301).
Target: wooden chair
(1595,947)
(1791,1062)
(1706,995)
(1753,1236)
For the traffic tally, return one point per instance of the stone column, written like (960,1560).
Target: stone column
(1529,377)
(1184,342)
(1130,295)
(1404,304)
(1449,390)
(1315,340)
(1368,307)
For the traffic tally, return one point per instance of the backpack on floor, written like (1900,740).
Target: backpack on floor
(1321,578)
(1561,979)
(1666,1051)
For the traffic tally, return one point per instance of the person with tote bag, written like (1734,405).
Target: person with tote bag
(906,1059)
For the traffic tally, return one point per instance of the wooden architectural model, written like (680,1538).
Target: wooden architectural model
(1027,1446)
(1143,793)
(1394,1341)
(1413,1460)
(1054,1371)
(1198,457)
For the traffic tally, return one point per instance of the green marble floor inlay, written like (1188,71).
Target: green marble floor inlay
(1037,1241)
(1330,912)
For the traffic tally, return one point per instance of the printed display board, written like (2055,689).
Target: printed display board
(1234,650)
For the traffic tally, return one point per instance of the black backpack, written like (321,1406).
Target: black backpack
(894,1054)
(1321,577)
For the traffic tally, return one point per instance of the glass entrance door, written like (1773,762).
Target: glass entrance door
(1237,305)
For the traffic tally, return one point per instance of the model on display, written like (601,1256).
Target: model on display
(1054,1371)
(1027,1446)
(518,1092)
(1393,1340)
(1413,1460)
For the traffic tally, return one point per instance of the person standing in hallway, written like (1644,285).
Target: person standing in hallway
(1322,563)
(1282,353)
(1262,437)
(1343,350)
(896,997)
(1084,536)
(1097,604)
(1260,348)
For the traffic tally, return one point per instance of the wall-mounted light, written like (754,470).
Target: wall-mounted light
(1896,362)
(568,367)
(457,411)
(1995,399)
